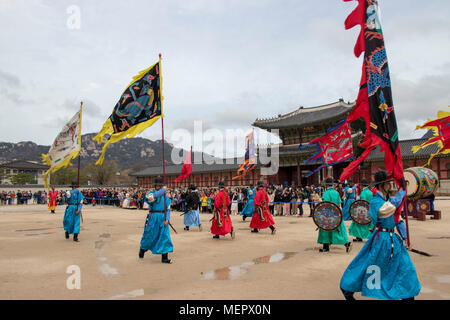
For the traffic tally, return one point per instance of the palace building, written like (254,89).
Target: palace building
(295,128)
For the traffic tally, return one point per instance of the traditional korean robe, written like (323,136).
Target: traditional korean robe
(350,197)
(338,236)
(256,223)
(249,206)
(358,230)
(225,218)
(156,236)
(383,268)
(71,221)
(52,195)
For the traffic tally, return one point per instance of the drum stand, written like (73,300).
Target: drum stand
(420,208)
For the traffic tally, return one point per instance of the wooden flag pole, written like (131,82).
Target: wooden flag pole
(162,135)
(78,174)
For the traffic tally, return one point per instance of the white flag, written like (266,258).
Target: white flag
(66,146)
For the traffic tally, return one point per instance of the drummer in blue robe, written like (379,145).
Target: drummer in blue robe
(359,231)
(156,237)
(338,236)
(350,197)
(192,216)
(383,268)
(249,208)
(72,214)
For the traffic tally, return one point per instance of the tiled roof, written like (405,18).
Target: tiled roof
(307,116)
(22,164)
(406,146)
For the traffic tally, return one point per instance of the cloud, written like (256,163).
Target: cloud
(419,100)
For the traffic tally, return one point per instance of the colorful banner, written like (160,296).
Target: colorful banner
(441,130)
(139,106)
(249,158)
(333,147)
(65,147)
(186,170)
(374,102)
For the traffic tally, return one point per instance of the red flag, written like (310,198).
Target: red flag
(187,168)
(374,102)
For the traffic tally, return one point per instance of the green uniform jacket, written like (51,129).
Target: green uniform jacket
(335,236)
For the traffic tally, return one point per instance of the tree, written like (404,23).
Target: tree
(22,178)
(66,176)
(102,174)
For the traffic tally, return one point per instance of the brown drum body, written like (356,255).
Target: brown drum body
(420,182)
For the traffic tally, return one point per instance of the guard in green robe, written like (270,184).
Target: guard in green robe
(338,236)
(359,231)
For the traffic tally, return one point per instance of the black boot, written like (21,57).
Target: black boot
(232,234)
(75,237)
(348,295)
(67,235)
(243,217)
(348,247)
(186,228)
(165,259)
(216,236)
(141,253)
(326,248)
(273,229)
(255,230)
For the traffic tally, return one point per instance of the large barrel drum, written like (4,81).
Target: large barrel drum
(420,182)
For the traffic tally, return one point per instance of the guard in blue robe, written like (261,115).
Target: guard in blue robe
(72,214)
(156,237)
(192,216)
(383,268)
(350,197)
(249,208)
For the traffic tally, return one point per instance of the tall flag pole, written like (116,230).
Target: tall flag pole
(162,134)
(249,158)
(374,102)
(139,107)
(65,147)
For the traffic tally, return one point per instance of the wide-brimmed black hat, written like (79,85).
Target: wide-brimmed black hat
(221,184)
(158,181)
(329,182)
(381,177)
(349,181)
(260,184)
(192,187)
(364,182)
(74,184)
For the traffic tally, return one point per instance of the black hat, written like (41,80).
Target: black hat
(221,184)
(381,177)
(260,184)
(329,181)
(251,185)
(349,181)
(192,187)
(158,181)
(364,182)
(74,184)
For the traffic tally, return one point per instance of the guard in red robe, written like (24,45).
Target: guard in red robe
(262,218)
(52,196)
(221,221)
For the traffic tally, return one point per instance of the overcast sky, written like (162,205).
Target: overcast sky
(225,62)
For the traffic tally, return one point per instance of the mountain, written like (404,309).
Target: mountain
(134,153)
